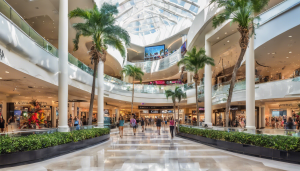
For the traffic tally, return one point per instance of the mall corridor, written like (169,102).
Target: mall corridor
(149,151)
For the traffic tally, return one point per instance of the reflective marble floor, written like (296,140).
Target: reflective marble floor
(148,151)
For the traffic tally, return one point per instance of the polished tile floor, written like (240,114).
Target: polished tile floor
(148,151)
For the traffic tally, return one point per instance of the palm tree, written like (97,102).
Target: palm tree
(177,94)
(136,74)
(99,24)
(241,12)
(193,62)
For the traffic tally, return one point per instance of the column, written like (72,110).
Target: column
(207,87)
(100,100)
(250,86)
(117,114)
(63,69)
(53,117)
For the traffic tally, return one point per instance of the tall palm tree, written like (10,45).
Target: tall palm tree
(136,74)
(243,13)
(177,94)
(99,24)
(193,62)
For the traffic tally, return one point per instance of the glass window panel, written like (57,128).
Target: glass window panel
(50,48)
(146,32)
(19,22)
(72,60)
(36,37)
(194,9)
(5,8)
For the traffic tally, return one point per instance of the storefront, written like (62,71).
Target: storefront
(237,116)
(277,113)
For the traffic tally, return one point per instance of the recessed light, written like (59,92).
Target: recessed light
(290,36)
(287,57)
(268,53)
(6,72)
(227,40)
(49,97)
(218,37)
(32,22)
(0,78)
(225,32)
(290,52)
(274,53)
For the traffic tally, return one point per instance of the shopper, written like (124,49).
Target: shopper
(77,123)
(290,123)
(146,123)
(133,124)
(158,124)
(121,126)
(9,121)
(142,124)
(70,121)
(2,124)
(172,125)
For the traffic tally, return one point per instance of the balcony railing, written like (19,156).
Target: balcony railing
(12,15)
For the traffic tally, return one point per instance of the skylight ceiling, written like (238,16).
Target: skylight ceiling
(143,17)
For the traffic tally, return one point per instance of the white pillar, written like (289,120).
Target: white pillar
(207,87)
(250,85)
(117,114)
(100,100)
(63,69)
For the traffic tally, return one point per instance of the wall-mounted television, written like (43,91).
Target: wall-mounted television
(154,52)
(183,49)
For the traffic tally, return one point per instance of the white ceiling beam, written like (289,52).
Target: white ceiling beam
(172,12)
(180,7)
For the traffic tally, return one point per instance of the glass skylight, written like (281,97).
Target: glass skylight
(143,17)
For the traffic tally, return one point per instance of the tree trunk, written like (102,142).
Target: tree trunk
(132,98)
(197,108)
(174,105)
(93,94)
(244,40)
(178,111)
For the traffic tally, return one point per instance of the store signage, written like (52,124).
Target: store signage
(160,82)
(154,111)
(201,109)
(167,111)
(285,105)
(106,111)
(2,54)
(28,103)
(145,111)
(155,107)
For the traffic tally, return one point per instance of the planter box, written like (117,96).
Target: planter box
(25,157)
(278,154)
(250,149)
(266,152)
(230,146)
(294,156)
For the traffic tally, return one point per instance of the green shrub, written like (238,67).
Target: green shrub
(39,141)
(278,142)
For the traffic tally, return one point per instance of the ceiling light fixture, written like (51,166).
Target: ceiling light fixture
(290,36)
(268,53)
(287,57)
(227,40)
(290,52)
(273,53)
(6,72)
(218,37)
(0,78)
(225,32)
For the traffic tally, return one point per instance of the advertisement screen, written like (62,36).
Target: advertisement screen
(183,49)
(154,52)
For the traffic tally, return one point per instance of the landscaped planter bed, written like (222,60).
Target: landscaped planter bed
(284,148)
(77,140)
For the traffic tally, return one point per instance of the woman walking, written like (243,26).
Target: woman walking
(142,124)
(77,123)
(133,124)
(121,126)
(172,125)
(158,124)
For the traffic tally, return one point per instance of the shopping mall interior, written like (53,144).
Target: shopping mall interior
(129,85)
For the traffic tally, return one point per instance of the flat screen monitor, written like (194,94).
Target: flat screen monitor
(154,52)
(183,49)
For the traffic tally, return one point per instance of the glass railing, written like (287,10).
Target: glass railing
(158,65)
(276,10)
(11,14)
